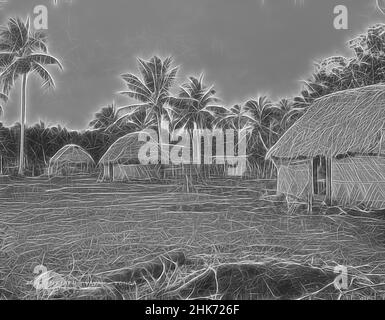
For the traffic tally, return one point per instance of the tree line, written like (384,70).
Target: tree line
(157,95)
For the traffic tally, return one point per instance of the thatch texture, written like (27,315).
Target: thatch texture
(345,121)
(359,180)
(126,150)
(123,150)
(293,179)
(71,159)
(121,162)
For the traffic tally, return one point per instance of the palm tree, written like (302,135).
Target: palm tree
(105,117)
(134,121)
(289,113)
(264,115)
(139,120)
(196,104)
(236,117)
(151,89)
(258,114)
(23,51)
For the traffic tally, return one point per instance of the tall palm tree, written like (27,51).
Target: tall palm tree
(139,120)
(195,105)
(289,113)
(264,115)
(151,89)
(105,117)
(239,118)
(22,52)
(235,117)
(134,121)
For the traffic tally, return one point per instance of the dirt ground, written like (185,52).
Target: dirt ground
(234,235)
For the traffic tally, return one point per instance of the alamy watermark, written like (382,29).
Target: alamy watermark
(341,280)
(197,146)
(340,13)
(49,283)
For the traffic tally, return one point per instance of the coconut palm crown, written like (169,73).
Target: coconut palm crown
(196,104)
(23,51)
(151,89)
(105,117)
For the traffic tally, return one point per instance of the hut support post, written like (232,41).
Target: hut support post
(329,181)
(106,173)
(111,171)
(311,186)
(315,165)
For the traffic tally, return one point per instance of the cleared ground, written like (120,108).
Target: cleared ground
(236,240)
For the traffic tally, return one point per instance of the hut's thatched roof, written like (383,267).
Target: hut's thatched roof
(124,149)
(71,153)
(345,121)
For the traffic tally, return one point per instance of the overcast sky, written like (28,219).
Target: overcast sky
(244,48)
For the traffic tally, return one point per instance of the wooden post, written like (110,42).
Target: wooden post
(316,162)
(329,181)
(311,187)
(111,171)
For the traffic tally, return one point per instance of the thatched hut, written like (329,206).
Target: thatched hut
(71,160)
(335,150)
(121,163)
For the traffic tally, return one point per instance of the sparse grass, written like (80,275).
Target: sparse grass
(126,240)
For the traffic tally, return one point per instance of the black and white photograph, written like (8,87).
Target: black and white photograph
(192,150)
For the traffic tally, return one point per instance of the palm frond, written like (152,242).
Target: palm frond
(135,84)
(152,86)
(8,77)
(135,95)
(17,32)
(125,110)
(3,97)
(167,64)
(43,58)
(48,81)
(37,41)
(6,58)
(146,73)
(169,79)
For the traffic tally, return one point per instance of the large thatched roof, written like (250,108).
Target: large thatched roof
(345,121)
(71,153)
(124,149)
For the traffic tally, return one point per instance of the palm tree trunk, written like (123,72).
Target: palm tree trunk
(22,124)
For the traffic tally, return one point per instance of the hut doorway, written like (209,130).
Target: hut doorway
(319,175)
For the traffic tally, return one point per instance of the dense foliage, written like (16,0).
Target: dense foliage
(365,66)
(196,104)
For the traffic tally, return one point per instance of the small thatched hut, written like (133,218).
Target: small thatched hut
(121,163)
(71,160)
(335,150)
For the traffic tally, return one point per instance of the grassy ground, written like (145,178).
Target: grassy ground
(229,239)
